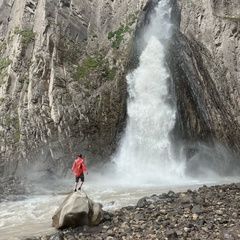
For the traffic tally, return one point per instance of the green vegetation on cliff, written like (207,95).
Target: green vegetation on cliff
(13,123)
(93,67)
(88,65)
(3,46)
(118,35)
(4,62)
(27,34)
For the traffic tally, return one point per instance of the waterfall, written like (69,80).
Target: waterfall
(145,154)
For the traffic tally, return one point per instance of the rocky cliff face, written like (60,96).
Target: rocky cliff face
(206,67)
(62,77)
(62,85)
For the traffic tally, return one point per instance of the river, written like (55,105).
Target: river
(33,216)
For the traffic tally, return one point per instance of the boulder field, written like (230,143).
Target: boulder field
(207,213)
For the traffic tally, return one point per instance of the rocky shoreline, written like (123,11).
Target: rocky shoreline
(207,213)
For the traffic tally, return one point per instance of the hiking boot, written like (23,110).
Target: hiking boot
(79,188)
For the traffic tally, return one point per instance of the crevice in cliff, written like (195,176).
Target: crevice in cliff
(204,117)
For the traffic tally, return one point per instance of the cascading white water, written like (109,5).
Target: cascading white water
(145,154)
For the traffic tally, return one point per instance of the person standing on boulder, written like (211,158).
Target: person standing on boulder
(78,169)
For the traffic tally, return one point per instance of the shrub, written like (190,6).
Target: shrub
(4,62)
(27,34)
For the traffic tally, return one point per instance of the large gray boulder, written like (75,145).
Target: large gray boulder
(77,210)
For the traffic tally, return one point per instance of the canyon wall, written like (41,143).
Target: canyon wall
(205,64)
(62,77)
(62,81)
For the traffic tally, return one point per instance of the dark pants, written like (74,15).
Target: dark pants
(79,177)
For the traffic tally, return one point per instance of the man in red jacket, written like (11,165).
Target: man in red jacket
(78,168)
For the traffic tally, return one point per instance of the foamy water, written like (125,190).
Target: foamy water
(29,217)
(33,216)
(146,154)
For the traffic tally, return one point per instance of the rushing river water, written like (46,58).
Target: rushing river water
(33,216)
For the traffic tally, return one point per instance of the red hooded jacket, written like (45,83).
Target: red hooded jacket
(78,166)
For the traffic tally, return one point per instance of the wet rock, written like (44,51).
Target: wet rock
(142,202)
(197,209)
(57,236)
(174,220)
(77,210)
(200,53)
(186,200)
(217,220)
(170,234)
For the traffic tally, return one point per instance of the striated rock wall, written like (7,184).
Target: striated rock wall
(62,85)
(62,77)
(205,66)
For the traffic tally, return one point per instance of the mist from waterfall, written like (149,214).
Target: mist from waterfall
(145,153)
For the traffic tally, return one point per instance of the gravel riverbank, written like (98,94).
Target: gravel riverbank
(207,213)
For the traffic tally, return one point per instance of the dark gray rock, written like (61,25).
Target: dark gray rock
(176,221)
(77,210)
(196,209)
